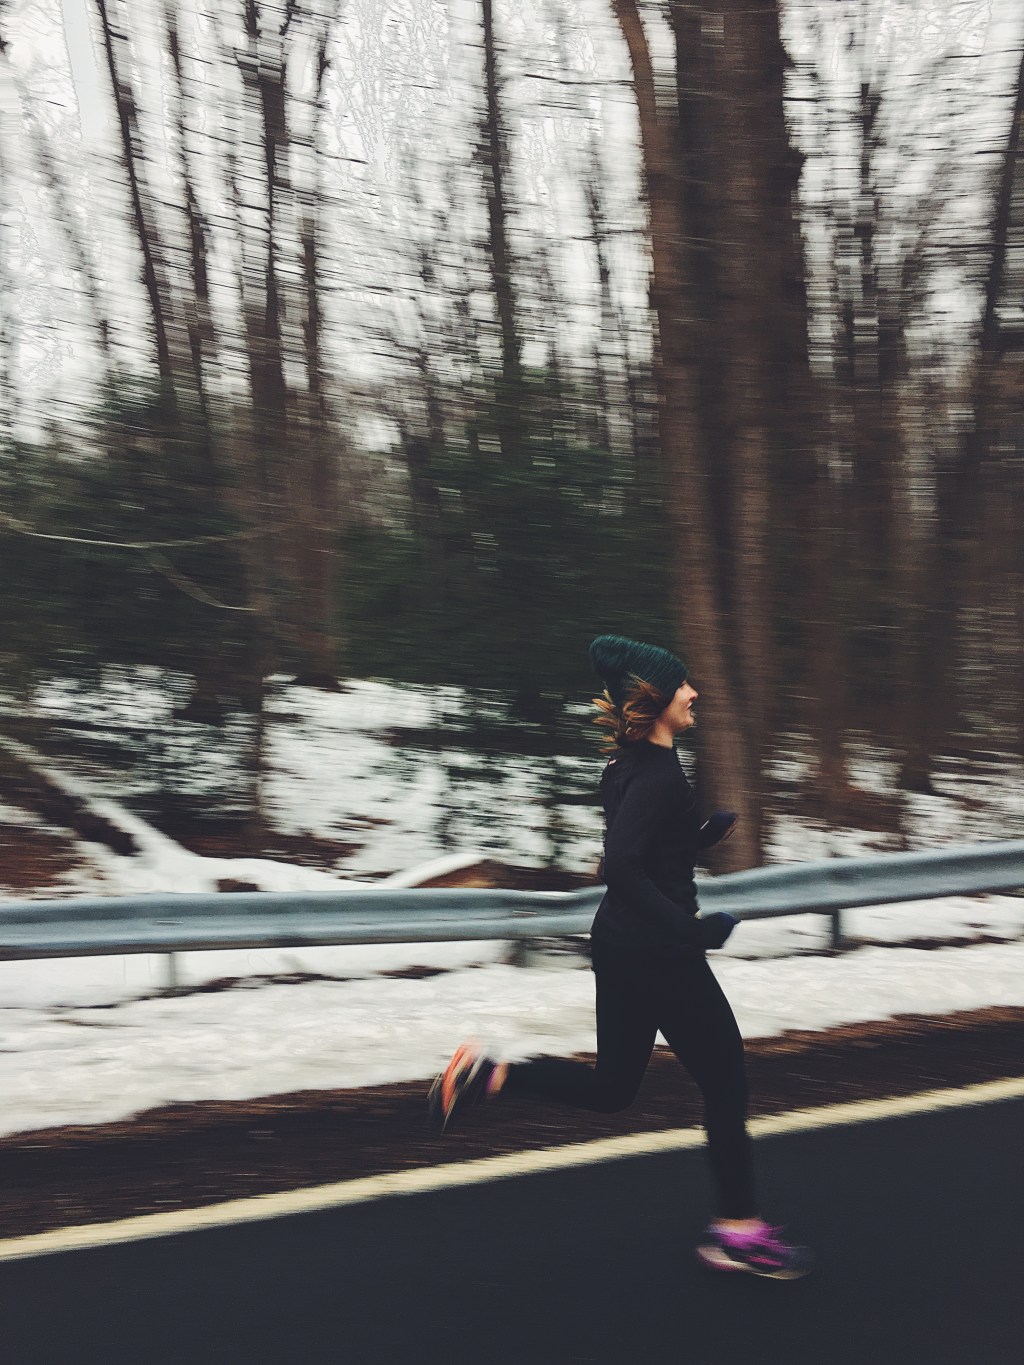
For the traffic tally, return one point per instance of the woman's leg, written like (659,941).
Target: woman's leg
(700,1028)
(626,1029)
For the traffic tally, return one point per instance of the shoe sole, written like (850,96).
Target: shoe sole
(713,1258)
(439,1116)
(436,1116)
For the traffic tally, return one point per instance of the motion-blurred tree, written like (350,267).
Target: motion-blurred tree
(720,179)
(427,370)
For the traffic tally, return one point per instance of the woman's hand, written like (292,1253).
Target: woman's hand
(717,828)
(716,928)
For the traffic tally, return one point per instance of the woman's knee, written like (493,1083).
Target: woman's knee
(724,1113)
(724,1103)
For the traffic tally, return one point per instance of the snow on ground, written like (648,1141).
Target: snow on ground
(160,864)
(92,1040)
(81,1065)
(332,770)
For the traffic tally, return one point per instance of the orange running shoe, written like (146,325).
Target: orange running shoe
(463,1082)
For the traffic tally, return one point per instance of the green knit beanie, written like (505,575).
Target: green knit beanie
(618,662)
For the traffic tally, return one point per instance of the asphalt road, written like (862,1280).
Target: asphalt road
(918,1224)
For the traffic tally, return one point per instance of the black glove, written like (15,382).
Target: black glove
(716,928)
(717,828)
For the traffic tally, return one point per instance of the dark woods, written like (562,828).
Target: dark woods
(793,466)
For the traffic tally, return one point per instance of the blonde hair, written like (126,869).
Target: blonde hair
(634,719)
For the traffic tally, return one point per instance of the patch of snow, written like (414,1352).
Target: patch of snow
(437,867)
(793,840)
(952,917)
(105,982)
(872,768)
(160,863)
(19,818)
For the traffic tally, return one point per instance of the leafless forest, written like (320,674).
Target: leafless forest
(426,340)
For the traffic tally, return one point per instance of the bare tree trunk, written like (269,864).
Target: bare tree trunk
(316,559)
(438,410)
(265,79)
(803,514)
(8,397)
(1010,179)
(595,222)
(733,370)
(751,309)
(261,465)
(424,447)
(494,149)
(616,393)
(883,532)
(521,574)
(198,312)
(258,437)
(700,143)
(727,776)
(876,369)
(147,234)
(964,485)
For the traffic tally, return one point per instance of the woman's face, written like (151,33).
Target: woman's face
(679,712)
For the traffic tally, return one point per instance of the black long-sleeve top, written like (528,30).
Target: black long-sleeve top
(652,837)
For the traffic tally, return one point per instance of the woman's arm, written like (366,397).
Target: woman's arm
(633,830)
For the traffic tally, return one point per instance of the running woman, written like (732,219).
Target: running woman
(648,951)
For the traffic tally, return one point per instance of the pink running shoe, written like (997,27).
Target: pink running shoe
(760,1252)
(463,1082)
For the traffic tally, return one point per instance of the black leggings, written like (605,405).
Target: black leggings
(638,995)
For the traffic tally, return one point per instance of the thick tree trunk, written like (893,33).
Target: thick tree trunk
(726,279)
(727,774)
(198,310)
(750,277)
(317,476)
(803,514)
(267,509)
(520,568)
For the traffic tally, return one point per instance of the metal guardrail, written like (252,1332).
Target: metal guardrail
(94,926)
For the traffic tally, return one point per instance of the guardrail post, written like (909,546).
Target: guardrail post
(520,952)
(172,971)
(835,938)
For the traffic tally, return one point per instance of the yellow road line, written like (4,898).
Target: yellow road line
(257,1208)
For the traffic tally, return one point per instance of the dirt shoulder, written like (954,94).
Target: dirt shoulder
(193,1154)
